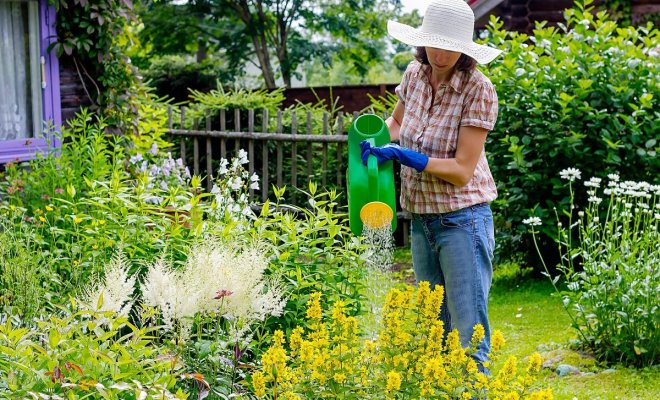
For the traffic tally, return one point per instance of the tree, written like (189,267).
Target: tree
(277,35)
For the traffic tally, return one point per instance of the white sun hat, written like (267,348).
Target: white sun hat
(447,25)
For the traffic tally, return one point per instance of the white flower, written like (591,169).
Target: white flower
(235,183)
(223,166)
(173,294)
(114,290)
(613,177)
(581,214)
(595,199)
(532,221)
(243,157)
(593,182)
(570,174)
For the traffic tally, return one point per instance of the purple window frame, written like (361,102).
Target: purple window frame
(25,149)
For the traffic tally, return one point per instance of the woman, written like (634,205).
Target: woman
(446,108)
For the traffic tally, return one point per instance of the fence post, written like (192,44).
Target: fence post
(294,157)
(209,154)
(251,149)
(264,157)
(279,149)
(195,149)
(183,137)
(340,147)
(324,164)
(309,146)
(223,128)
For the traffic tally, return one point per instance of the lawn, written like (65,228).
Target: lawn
(533,320)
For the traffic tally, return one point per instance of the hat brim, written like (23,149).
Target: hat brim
(414,37)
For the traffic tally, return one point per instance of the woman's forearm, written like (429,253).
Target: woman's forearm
(450,170)
(393,126)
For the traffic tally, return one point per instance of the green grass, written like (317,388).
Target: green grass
(532,319)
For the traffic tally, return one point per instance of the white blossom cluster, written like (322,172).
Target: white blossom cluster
(216,279)
(230,191)
(113,291)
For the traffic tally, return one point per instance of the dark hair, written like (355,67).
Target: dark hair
(464,63)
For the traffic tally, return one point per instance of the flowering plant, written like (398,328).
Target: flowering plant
(610,260)
(410,358)
(231,200)
(164,174)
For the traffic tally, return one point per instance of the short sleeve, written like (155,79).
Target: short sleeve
(480,107)
(402,88)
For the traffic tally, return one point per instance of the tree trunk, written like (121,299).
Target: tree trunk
(261,48)
(202,52)
(259,41)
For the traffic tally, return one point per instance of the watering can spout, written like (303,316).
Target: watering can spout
(371,194)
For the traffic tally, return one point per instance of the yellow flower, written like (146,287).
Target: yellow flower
(77,219)
(339,378)
(42,219)
(49,208)
(535,361)
(512,396)
(509,370)
(314,311)
(101,222)
(38,211)
(259,384)
(393,381)
(477,335)
(545,394)
(497,341)
(296,339)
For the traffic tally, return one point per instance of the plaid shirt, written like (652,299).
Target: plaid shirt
(432,129)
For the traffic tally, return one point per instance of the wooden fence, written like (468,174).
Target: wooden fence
(313,148)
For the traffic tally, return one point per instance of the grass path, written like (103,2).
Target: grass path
(533,320)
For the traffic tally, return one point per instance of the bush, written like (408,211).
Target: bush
(408,358)
(611,264)
(87,199)
(81,355)
(174,76)
(582,95)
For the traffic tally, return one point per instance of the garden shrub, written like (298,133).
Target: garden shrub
(84,354)
(310,248)
(409,358)
(25,274)
(174,76)
(87,199)
(611,266)
(584,95)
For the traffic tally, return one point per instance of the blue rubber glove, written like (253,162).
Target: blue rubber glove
(391,151)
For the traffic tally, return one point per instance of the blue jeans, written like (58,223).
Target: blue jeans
(455,250)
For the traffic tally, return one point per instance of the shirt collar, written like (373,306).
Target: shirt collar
(455,82)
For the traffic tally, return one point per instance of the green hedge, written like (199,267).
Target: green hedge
(584,95)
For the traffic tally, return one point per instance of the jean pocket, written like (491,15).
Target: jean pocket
(457,219)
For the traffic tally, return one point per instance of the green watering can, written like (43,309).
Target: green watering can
(371,194)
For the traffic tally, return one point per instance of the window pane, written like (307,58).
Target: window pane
(20,80)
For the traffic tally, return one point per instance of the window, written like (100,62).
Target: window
(29,100)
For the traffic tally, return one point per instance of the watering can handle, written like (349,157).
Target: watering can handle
(372,173)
